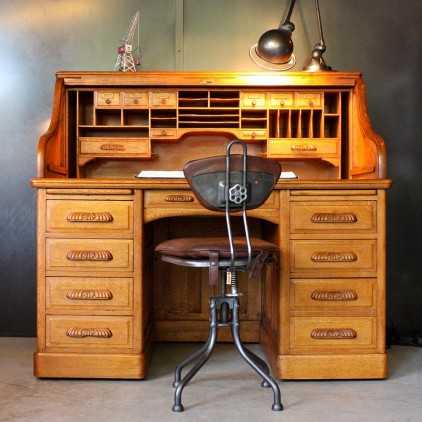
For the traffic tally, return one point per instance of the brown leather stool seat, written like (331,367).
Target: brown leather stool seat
(200,248)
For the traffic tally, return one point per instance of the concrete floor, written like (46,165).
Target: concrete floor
(225,390)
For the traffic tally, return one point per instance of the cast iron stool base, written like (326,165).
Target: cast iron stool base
(224,305)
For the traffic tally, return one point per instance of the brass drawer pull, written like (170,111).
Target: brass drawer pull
(102,255)
(334,257)
(89,217)
(334,295)
(179,198)
(108,101)
(303,148)
(76,332)
(112,147)
(89,294)
(333,333)
(334,218)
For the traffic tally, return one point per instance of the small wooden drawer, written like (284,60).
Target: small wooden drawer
(89,255)
(93,332)
(115,147)
(281,99)
(163,99)
(82,216)
(333,217)
(170,199)
(107,98)
(332,333)
(135,98)
(163,132)
(340,293)
(289,147)
(253,99)
(101,295)
(254,134)
(308,99)
(325,257)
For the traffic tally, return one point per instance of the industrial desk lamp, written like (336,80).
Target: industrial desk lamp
(274,49)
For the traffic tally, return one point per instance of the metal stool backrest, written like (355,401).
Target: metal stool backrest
(233,183)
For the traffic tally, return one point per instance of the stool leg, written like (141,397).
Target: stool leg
(194,356)
(261,363)
(178,406)
(277,406)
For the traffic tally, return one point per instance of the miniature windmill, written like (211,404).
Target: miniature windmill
(127,53)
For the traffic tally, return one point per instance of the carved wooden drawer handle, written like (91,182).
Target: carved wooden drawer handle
(102,255)
(76,332)
(89,294)
(179,198)
(112,147)
(334,257)
(333,333)
(303,148)
(334,218)
(334,295)
(89,217)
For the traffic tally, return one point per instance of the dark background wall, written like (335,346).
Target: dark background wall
(381,38)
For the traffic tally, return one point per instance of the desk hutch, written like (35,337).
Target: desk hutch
(103,298)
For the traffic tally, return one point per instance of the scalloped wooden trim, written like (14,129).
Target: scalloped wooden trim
(334,218)
(89,294)
(89,217)
(76,332)
(333,333)
(371,140)
(102,255)
(334,257)
(334,295)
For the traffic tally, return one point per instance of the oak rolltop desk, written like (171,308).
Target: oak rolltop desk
(103,298)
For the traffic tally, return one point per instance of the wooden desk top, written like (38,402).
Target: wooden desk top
(182,184)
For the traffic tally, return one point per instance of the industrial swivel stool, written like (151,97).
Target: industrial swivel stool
(230,183)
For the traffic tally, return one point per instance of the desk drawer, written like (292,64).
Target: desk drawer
(253,100)
(163,99)
(115,147)
(281,99)
(170,199)
(107,98)
(333,216)
(324,257)
(89,255)
(303,148)
(135,98)
(308,99)
(70,294)
(186,199)
(86,333)
(332,333)
(82,216)
(324,294)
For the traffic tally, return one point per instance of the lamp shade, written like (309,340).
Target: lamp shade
(275,46)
